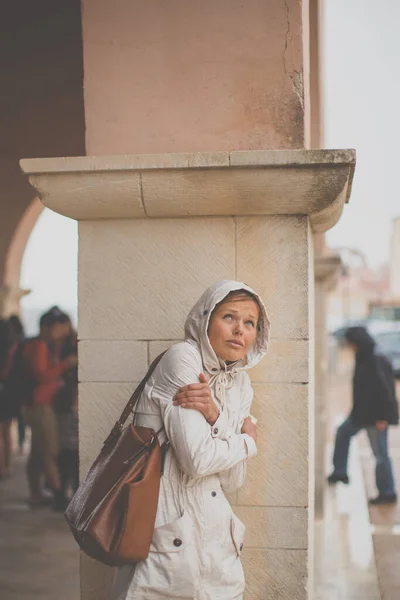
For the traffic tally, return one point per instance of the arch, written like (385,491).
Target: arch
(16,249)
(10,291)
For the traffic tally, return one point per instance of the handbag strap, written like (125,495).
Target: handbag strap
(116,430)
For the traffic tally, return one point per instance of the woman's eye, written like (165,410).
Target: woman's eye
(227,317)
(251,323)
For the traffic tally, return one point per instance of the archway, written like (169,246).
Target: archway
(16,249)
(49,269)
(11,291)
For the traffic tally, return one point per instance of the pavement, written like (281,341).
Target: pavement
(382,523)
(385,521)
(38,555)
(344,565)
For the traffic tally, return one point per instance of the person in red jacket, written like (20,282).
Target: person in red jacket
(44,370)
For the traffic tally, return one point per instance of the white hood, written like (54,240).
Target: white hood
(196,327)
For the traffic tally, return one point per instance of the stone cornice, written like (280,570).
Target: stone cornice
(327,270)
(272,182)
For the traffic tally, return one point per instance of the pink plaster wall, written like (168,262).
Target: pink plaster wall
(198,75)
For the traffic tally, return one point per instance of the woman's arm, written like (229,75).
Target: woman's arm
(197,451)
(233,479)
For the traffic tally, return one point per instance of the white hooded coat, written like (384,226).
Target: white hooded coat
(197,541)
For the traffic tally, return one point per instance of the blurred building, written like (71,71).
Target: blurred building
(357,288)
(395,260)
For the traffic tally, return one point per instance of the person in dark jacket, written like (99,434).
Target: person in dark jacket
(374,409)
(17,335)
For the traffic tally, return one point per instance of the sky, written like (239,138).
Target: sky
(361,87)
(361,90)
(50,268)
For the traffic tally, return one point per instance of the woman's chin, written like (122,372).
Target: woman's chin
(232,356)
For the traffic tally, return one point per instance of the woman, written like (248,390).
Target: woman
(374,409)
(201,394)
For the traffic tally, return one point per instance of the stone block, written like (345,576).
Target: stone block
(285,362)
(275,574)
(100,405)
(88,196)
(278,475)
(138,279)
(112,361)
(316,183)
(232,498)
(274,527)
(240,191)
(173,160)
(296,158)
(158,346)
(135,162)
(277,268)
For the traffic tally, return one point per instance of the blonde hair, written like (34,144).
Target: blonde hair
(242,295)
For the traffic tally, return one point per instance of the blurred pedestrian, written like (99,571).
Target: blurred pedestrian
(66,407)
(44,370)
(374,409)
(68,458)
(7,409)
(17,335)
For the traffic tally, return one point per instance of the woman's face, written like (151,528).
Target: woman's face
(59,331)
(233,328)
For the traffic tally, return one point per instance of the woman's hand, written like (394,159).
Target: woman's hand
(250,428)
(198,396)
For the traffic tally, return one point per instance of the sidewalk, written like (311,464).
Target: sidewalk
(385,521)
(344,557)
(381,525)
(38,555)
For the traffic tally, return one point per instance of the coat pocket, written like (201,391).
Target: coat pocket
(169,571)
(238,529)
(173,537)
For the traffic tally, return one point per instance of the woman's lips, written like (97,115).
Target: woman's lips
(235,344)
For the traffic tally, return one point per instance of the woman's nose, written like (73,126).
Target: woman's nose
(238,329)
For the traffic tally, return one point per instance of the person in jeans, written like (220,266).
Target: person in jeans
(68,458)
(374,409)
(44,370)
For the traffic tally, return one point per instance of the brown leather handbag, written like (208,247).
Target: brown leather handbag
(113,512)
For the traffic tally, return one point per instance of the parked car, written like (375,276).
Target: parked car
(375,327)
(338,334)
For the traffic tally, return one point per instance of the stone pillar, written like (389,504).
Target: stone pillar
(198,76)
(326,269)
(154,232)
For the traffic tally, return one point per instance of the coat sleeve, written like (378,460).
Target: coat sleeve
(233,479)
(384,388)
(198,453)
